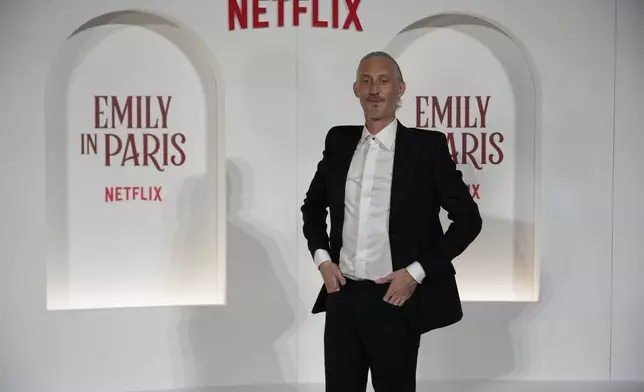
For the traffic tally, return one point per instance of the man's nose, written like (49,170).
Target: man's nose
(374,88)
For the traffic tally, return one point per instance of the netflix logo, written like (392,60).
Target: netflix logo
(133,132)
(472,144)
(341,14)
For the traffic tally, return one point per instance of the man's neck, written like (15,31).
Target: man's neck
(375,126)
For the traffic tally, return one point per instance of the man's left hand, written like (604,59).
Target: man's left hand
(401,288)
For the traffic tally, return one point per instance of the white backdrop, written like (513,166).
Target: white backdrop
(283,88)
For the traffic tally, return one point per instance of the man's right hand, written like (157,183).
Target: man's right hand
(332,276)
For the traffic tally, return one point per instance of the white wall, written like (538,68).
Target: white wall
(627,334)
(283,89)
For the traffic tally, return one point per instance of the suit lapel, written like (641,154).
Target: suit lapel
(346,149)
(405,156)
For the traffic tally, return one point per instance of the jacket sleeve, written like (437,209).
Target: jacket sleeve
(314,208)
(455,198)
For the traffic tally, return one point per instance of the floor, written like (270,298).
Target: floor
(452,386)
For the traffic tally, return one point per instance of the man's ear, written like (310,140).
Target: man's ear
(401,89)
(355,89)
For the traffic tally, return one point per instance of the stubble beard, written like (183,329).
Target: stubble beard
(374,112)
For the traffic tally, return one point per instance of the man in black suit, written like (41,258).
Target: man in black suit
(386,263)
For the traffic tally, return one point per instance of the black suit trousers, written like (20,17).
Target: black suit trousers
(363,332)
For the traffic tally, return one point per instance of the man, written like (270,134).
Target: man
(386,264)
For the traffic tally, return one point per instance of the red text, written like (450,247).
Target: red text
(474,191)
(130,193)
(241,12)
(145,149)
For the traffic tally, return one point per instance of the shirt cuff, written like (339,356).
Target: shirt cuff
(320,256)
(416,271)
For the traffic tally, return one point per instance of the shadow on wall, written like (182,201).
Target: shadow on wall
(211,345)
(233,344)
(487,344)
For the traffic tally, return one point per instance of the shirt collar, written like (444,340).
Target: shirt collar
(387,136)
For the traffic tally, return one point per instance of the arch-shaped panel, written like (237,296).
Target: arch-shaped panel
(470,78)
(117,67)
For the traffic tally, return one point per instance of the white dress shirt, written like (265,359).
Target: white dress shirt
(366,252)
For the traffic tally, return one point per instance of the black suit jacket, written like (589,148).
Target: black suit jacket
(424,179)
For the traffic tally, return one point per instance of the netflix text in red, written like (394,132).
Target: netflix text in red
(132,193)
(241,13)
